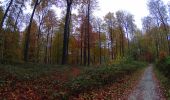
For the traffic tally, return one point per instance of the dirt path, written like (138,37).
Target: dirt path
(147,88)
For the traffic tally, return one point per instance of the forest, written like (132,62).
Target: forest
(75,55)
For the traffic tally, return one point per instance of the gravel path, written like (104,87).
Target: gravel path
(147,88)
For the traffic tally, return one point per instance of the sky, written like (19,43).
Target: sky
(136,7)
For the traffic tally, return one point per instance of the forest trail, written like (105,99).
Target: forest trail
(148,87)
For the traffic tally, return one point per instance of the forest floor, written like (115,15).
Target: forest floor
(37,82)
(148,87)
(142,85)
(119,90)
(34,82)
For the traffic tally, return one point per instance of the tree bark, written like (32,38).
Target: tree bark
(100,45)
(85,44)
(66,32)
(50,46)
(122,42)
(81,51)
(39,36)
(111,44)
(46,59)
(68,35)
(88,26)
(27,38)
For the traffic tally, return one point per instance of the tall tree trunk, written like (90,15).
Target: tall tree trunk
(105,53)
(111,40)
(51,41)
(46,48)
(39,37)
(94,58)
(116,52)
(122,41)
(85,44)
(157,49)
(88,26)
(66,32)
(38,44)
(127,34)
(68,35)
(27,38)
(58,50)
(1,26)
(120,45)
(100,45)
(81,51)
(108,50)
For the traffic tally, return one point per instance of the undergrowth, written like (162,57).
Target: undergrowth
(162,70)
(96,78)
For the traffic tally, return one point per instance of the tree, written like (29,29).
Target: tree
(27,40)
(111,22)
(149,26)
(1,26)
(13,11)
(83,30)
(98,25)
(41,16)
(123,24)
(158,11)
(5,15)
(1,13)
(16,12)
(40,13)
(33,45)
(57,44)
(91,5)
(11,51)
(129,27)
(49,22)
(66,31)
(136,45)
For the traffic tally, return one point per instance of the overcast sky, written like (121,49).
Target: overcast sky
(136,7)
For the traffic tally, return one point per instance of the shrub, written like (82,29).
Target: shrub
(101,76)
(164,66)
(162,56)
(162,70)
